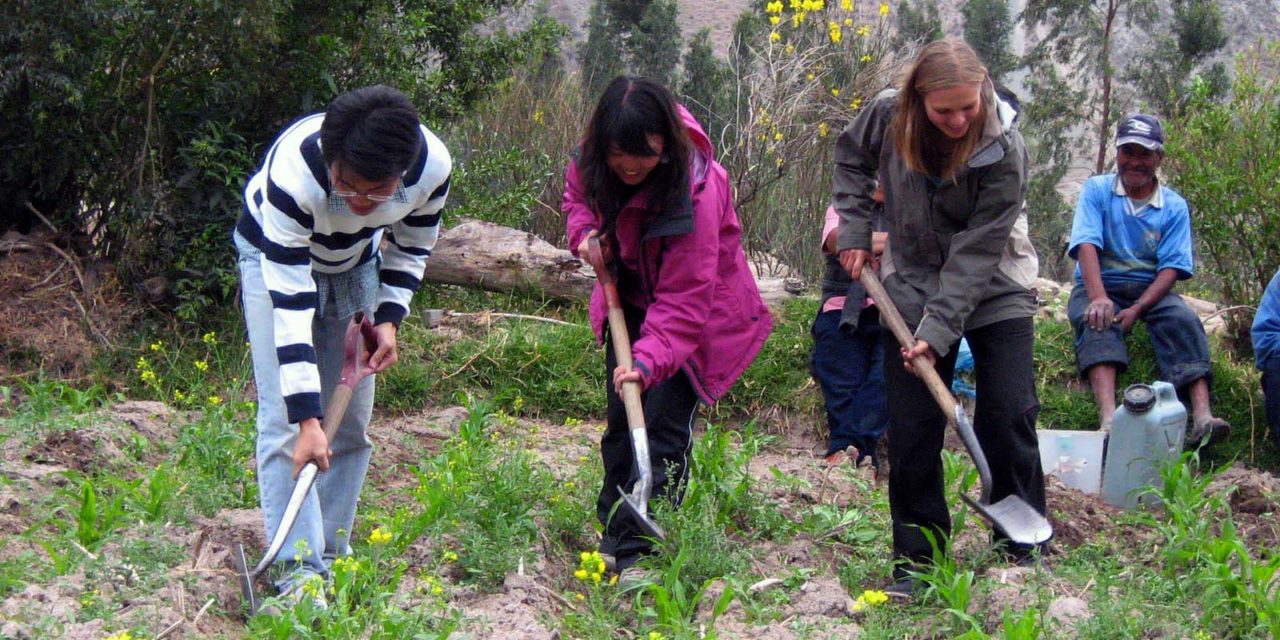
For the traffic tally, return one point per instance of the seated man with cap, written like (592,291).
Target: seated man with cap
(1131,238)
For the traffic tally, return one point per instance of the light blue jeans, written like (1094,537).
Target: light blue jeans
(323,529)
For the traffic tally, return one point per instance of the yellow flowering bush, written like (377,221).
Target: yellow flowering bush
(802,82)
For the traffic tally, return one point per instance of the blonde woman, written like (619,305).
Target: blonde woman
(958,264)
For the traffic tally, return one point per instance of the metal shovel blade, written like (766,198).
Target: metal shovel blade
(638,506)
(1015,519)
(250,598)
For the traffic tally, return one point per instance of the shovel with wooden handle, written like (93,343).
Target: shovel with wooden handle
(359,343)
(1011,515)
(636,502)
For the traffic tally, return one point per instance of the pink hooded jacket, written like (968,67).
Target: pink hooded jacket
(703,312)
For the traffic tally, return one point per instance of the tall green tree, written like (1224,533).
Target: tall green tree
(601,53)
(631,36)
(1166,68)
(918,22)
(1080,34)
(655,45)
(1224,158)
(988,27)
(137,122)
(705,85)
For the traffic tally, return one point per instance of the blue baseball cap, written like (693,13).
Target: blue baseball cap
(1141,129)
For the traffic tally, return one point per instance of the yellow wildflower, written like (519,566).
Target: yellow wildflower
(214,400)
(870,598)
(789,49)
(775,36)
(797,18)
(809,76)
(157,345)
(379,537)
(654,635)
(450,556)
(834,32)
(848,22)
(201,365)
(866,57)
(210,338)
(823,129)
(884,9)
(595,577)
(796,5)
(539,117)
(777,136)
(857,102)
(773,7)
(774,20)
(579,596)
(580,574)
(835,92)
(123,635)
(864,31)
(846,5)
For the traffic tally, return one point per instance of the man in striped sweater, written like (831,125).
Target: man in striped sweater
(332,187)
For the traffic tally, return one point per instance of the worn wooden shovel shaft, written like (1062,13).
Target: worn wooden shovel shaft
(938,389)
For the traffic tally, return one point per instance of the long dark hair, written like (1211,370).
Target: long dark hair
(631,108)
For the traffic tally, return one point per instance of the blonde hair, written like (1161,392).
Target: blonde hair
(942,64)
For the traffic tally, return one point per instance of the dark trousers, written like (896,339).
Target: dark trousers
(1004,421)
(848,363)
(670,408)
(1177,336)
(1271,389)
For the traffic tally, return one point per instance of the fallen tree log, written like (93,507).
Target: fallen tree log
(497,258)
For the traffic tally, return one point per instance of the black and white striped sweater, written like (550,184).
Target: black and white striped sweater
(290,217)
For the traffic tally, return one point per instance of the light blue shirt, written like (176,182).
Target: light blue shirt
(1266,324)
(1134,243)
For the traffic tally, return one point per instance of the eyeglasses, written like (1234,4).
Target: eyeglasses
(371,197)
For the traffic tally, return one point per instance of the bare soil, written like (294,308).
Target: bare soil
(790,472)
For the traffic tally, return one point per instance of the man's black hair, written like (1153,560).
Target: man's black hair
(372,131)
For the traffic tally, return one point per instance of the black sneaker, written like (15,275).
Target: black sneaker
(904,590)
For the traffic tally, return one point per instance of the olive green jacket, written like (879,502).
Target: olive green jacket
(958,255)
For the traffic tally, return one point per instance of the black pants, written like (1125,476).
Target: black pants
(670,408)
(1004,421)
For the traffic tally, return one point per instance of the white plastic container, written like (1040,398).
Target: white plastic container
(1075,457)
(1146,433)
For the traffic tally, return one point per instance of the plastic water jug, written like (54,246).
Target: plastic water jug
(1075,457)
(1146,433)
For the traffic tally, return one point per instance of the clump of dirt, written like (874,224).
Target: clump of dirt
(1254,497)
(70,449)
(1077,517)
(1252,491)
(514,612)
(58,308)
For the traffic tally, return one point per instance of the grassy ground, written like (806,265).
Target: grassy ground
(475,520)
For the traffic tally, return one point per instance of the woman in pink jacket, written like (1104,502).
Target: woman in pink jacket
(645,181)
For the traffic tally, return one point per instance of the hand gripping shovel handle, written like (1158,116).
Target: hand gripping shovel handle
(1012,515)
(359,342)
(638,500)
